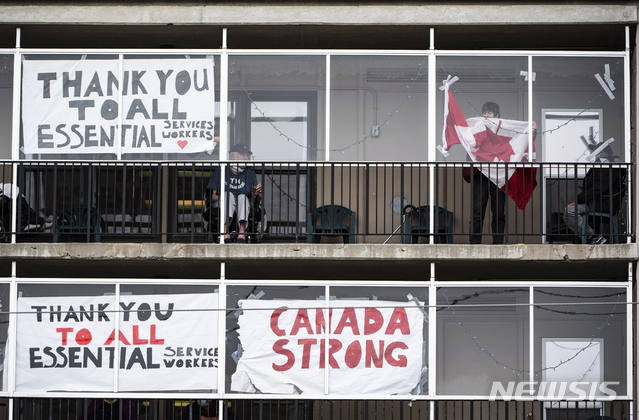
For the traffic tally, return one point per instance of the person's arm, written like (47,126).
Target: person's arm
(256,190)
(214,185)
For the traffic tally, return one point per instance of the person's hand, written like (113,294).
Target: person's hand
(214,196)
(257,190)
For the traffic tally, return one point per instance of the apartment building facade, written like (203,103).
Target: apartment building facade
(358,289)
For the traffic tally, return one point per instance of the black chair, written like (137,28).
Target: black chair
(76,220)
(604,210)
(330,220)
(417,223)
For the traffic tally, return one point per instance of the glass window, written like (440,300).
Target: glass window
(482,80)
(579,101)
(6,105)
(580,336)
(279,99)
(482,339)
(379,108)
(5,309)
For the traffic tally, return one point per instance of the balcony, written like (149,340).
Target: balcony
(389,203)
(37,408)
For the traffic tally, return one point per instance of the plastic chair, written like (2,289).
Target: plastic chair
(78,219)
(332,221)
(443,224)
(610,205)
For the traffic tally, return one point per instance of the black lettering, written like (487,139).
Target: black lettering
(60,130)
(42,137)
(46,85)
(94,86)
(109,110)
(68,83)
(205,82)
(127,309)
(136,83)
(163,77)
(65,360)
(34,360)
(74,357)
(182,82)
(39,310)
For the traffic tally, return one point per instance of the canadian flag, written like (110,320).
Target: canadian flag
(492,140)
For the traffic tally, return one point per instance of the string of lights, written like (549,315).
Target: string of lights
(390,115)
(364,138)
(335,305)
(519,372)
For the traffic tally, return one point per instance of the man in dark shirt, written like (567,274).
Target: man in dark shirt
(597,183)
(240,184)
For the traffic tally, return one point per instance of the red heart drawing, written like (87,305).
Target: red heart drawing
(182,143)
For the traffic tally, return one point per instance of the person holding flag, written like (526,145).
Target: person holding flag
(482,188)
(494,141)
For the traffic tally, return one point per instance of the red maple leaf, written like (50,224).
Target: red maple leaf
(492,145)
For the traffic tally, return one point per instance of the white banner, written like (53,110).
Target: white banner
(166,342)
(375,347)
(71,106)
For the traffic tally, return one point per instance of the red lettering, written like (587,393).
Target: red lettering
(335,346)
(306,351)
(65,332)
(320,322)
(353,354)
(155,340)
(136,336)
(275,316)
(373,321)
(301,321)
(83,337)
(401,361)
(373,358)
(121,338)
(348,320)
(398,321)
(278,347)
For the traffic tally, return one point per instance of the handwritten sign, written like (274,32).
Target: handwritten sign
(374,347)
(164,342)
(73,106)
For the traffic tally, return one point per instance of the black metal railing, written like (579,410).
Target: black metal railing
(319,202)
(184,409)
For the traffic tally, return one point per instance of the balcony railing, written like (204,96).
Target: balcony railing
(47,408)
(383,202)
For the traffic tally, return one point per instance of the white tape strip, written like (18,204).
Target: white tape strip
(607,77)
(442,151)
(598,150)
(449,81)
(604,86)
(525,74)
